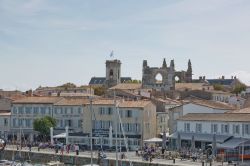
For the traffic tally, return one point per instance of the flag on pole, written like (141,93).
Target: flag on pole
(112,54)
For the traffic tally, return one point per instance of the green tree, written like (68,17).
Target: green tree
(68,85)
(99,91)
(134,81)
(239,88)
(218,87)
(42,125)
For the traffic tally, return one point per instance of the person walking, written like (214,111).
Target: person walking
(68,148)
(77,149)
(29,146)
(62,149)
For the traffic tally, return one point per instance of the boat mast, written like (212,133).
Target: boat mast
(116,127)
(91,126)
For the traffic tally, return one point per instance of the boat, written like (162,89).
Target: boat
(7,162)
(55,163)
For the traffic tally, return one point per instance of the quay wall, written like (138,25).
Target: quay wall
(41,157)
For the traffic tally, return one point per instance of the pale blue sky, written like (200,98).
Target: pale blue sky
(50,42)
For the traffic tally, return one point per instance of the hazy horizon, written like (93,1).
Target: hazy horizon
(48,43)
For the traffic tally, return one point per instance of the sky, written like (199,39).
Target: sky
(48,43)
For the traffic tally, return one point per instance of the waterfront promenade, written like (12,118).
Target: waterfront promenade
(112,156)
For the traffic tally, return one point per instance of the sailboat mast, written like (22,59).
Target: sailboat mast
(91,126)
(116,127)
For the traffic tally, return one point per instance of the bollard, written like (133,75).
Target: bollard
(210,164)
(203,164)
(174,161)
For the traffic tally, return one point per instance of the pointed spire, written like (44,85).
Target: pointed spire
(145,63)
(172,63)
(189,66)
(164,65)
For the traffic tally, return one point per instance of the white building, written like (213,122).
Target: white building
(69,112)
(230,130)
(4,124)
(26,110)
(138,119)
(195,106)
(221,96)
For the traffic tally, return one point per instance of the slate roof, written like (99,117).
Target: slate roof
(101,80)
(221,81)
(97,80)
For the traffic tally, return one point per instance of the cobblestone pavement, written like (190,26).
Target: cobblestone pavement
(129,156)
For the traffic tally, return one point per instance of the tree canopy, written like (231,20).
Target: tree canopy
(68,85)
(134,81)
(42,125)
(218,87)
(239,88)
(99,91)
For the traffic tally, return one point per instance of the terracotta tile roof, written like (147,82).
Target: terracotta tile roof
(168,101)
(127,86)
(37,100)
(240,111)
(135,104)
(216,117)
(103,102)
(213,104)
(190,86)
(72,102)
(123,104)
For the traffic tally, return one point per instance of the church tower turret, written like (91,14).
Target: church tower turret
(113,72)
(189,72)
(164,65)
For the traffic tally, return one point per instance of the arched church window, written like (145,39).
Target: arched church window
(111,73)
(158,78)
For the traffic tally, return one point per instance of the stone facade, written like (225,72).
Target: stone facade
(149,76)
(168,75)
(113,72)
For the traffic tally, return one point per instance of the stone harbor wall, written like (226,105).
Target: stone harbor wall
(38,157)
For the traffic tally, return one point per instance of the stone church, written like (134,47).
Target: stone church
(168,74)
(113,75)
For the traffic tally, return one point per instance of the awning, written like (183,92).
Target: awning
(167,134)
(153,140)
(200,137)
(232,143)
(62,135)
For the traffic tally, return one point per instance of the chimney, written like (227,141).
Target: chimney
(232,77)
(29,93)
(235,77)
(200,78)
(204,78)
(223,77)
